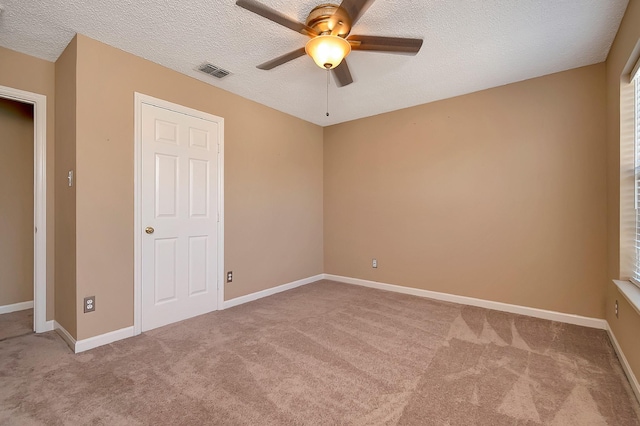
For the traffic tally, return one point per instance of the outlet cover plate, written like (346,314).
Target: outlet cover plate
(89,304)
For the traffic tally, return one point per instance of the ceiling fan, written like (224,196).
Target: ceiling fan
(329,27)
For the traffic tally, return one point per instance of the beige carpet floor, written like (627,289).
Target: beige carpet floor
(16,324)
(325,354)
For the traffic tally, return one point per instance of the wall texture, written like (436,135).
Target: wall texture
(623,54)
(273,184)
(30,74)
(498,195)
(16,202)
(65,156)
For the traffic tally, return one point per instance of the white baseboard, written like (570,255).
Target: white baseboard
(48,326)
(103,339)
(66,336)
(482,303)
(633,380)
(78,346)
(22,306)
(268,292)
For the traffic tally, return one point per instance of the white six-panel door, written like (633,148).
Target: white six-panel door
(179,209)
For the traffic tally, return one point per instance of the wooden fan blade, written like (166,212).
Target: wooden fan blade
(275,16)
(342,74)
(282,59)
(409,46)
(356,8)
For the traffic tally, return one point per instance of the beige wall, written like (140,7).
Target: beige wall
(16,201)
(625,327)
(497,195)
(273,184)
(65,157)
(623,53)
(35,75)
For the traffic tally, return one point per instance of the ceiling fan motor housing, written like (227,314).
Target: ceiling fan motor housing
(330,19)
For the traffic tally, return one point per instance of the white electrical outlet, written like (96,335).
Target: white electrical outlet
(374,263)
(89,304)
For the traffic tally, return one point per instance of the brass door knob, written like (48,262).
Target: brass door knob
(149,230)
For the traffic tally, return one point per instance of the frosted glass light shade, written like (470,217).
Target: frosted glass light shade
(327,51)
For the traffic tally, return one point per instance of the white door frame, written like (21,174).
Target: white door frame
(140,99)
(39,103)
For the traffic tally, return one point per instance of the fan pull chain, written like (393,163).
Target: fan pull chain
(327,92)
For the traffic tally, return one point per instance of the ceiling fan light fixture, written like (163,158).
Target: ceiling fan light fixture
(327,51)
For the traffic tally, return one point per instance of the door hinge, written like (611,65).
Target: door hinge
(218,147)
(218,216)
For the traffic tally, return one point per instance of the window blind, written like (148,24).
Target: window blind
(635,80)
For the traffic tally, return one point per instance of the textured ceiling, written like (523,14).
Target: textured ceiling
(469,45)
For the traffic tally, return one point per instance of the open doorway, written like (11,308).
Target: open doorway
(23,213)
(16,226)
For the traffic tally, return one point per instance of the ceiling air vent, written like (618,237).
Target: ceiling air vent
(213,70)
